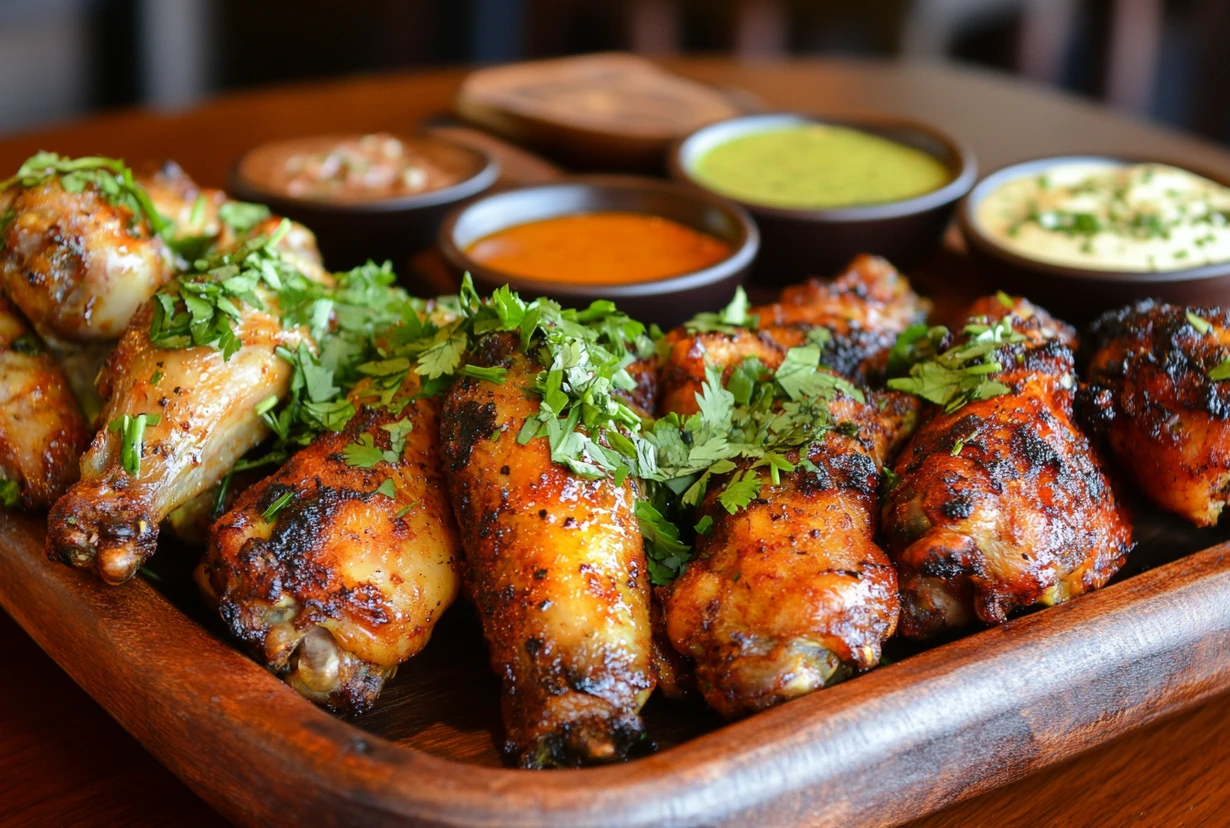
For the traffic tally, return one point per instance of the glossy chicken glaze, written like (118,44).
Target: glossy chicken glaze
(556,569)
(1003,504)
(109,520)
(41,432)
(191,209)
(1150,396)
(791,593)
(344,583)
(862,309)
(77,266)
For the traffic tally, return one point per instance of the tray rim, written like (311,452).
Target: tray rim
(1169,626)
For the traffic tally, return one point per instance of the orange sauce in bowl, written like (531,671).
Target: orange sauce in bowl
(599,249)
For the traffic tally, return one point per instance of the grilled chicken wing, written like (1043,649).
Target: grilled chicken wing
(1165,419)
(791,593)
(42,434)
(857,316)
(555,566)
(192,210)
(77,265)
(1002,503)
(345,581)
(206,419)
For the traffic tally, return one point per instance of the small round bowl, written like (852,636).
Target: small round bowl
(1074,293)
(800,242)
(667,301)
(351,232)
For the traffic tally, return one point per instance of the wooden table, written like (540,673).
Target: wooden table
(63,761)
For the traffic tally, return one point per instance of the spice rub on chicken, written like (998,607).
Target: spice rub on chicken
(555,566)
(1158,396)
(335,569)
(1000,502)
(855,317)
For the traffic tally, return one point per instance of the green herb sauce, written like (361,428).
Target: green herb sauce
(815,166)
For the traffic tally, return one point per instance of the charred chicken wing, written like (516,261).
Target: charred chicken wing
(177,415)
(79,250)
(336,569)
(1001,502)
(1158,394)
(555,566)
(791,593)
(855,317)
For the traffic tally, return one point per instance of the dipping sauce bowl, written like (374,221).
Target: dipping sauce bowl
(631,225)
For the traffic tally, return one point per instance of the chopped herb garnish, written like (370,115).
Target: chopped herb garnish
(10,494)
(958,375)
(1220,371)
(241,216)
(131,430)
(108,176)
(728,320)
(387,488)
(278,505)
(1201,325)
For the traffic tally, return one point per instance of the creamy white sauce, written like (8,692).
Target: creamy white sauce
(1107,216)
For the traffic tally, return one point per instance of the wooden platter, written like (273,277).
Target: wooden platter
(902,741)
(936,726)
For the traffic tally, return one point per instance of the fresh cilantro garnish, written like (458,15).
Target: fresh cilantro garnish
(278,505)
(958,375)
(1201,325)
(365,453)
(495,375)
(740,491)
(1220,371)
(799,378)
(241,216)
(728,320)
(665,553)
(131,430)
(109,176)
(10,494)
(387,488)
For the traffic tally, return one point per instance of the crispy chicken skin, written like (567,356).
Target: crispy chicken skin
(109,520)
(1003,504)
(863,309)
(42,434)
(555,566)
(1150,397)
(191,209)
(344,583)
(792,593)
(77,266)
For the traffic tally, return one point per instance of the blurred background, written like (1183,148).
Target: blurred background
(1162,59)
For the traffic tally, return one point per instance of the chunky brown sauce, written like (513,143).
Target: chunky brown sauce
(356,168)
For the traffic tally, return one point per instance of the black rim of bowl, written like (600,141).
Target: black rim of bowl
(962,165)
(486,174)
(975,237)
(743,249)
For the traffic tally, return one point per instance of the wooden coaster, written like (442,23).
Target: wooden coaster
(609,111)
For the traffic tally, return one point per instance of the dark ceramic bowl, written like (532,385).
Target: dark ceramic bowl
(798,243)
(1074,293)
(667,301)
(350,233)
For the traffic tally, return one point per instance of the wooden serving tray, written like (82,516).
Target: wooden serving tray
(904,740)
